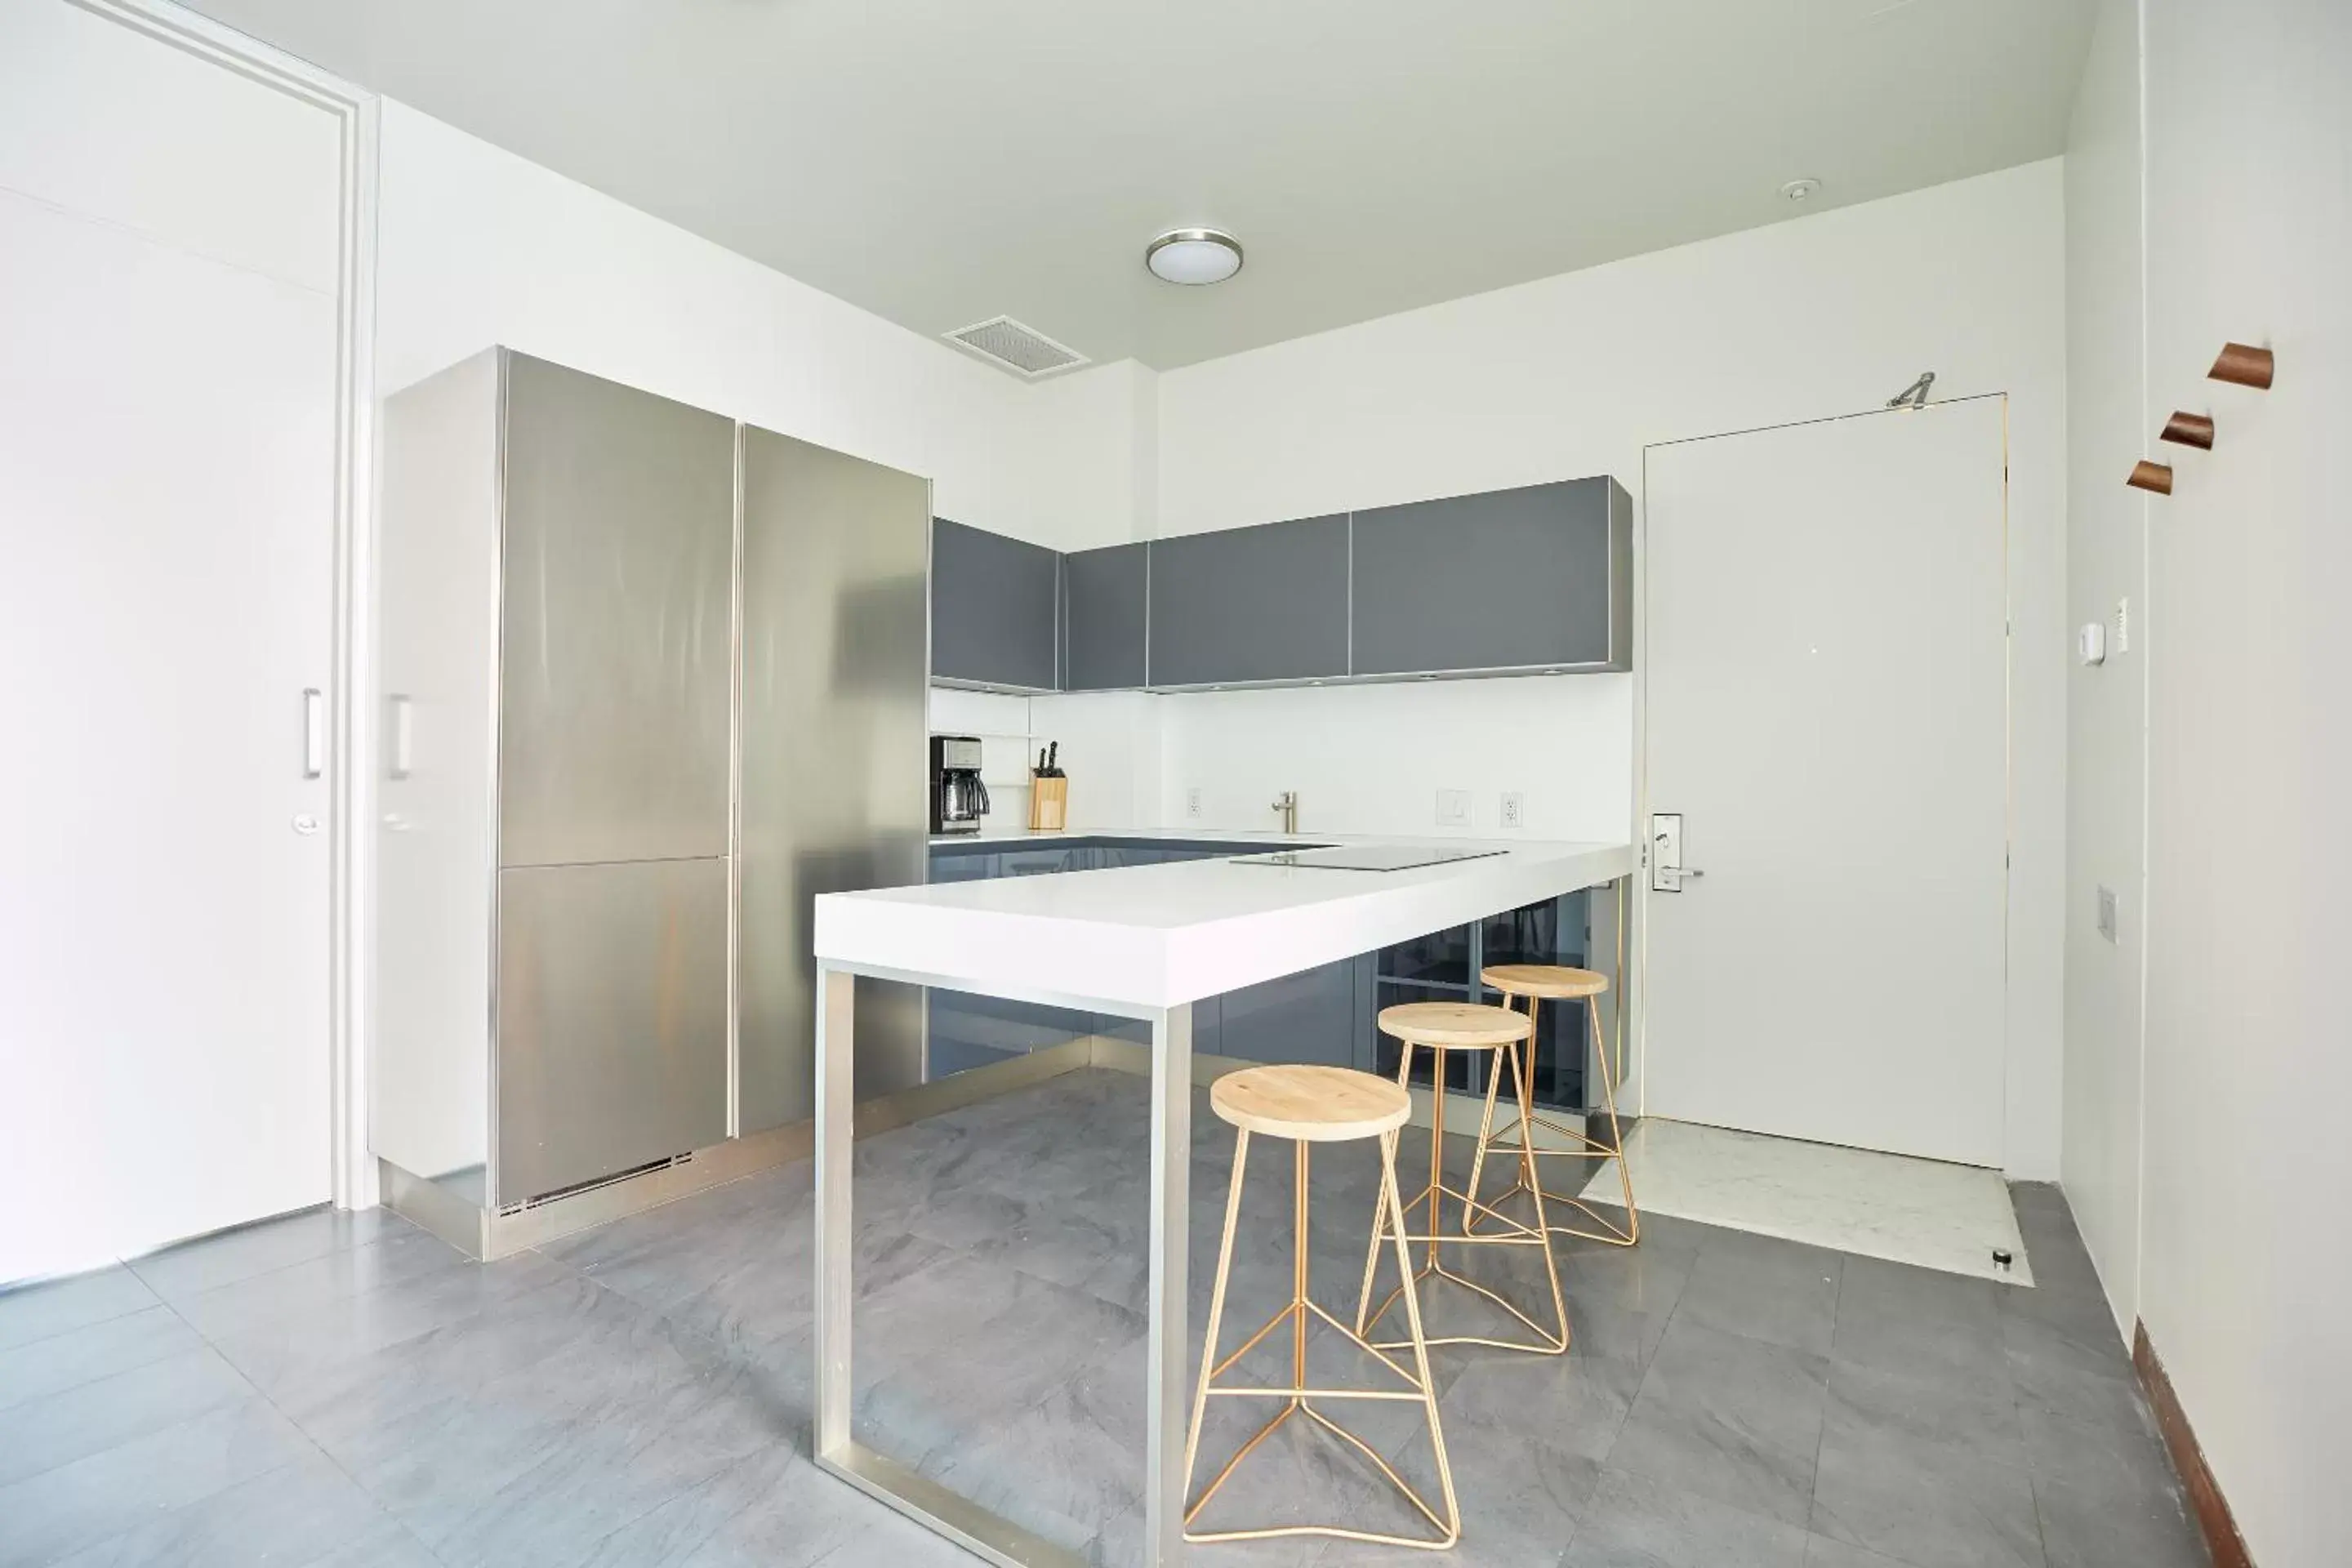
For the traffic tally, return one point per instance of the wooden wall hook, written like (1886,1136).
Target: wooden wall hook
(2184,429)
(2147,475)
(2245,366)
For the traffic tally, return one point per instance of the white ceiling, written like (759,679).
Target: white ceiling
(940,161)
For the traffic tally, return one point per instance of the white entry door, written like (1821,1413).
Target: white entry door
(1827,712)
(168,322)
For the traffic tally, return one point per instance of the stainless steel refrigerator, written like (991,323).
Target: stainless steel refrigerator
(653,679)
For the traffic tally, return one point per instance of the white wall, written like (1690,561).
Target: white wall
(2106,563)
(1575,374)
(476,246)
(2246,1268)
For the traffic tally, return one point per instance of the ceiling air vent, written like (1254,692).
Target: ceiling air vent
(1009,345)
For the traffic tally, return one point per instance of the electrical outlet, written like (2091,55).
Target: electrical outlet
(1453,808)
(1192,801)
(2107,913)
(1515,809)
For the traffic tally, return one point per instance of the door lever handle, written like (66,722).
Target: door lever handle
(1687,872)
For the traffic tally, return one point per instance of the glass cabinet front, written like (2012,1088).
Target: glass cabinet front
(1443,966)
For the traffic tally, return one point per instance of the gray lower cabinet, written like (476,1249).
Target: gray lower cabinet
(1032,862)
(962,866)
(611,1019)
(1103,612)
(995,609)
(968,1030)
(1310,1016)
(1320,1015)
(1536,578)
(1250,604)
(965,1030)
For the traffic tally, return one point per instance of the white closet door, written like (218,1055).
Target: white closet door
(1827,709)
(167,461)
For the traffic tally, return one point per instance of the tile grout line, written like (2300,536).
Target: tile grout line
(132,1265)
(316,1447)
(1821,1437)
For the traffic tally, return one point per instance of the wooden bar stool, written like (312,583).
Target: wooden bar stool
(1540,982)
(1311,1105)
(1439,1027)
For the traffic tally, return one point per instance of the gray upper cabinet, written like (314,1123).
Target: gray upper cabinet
(618,623)
(1539,578)
(994,608)
(1103,610)
(1250,604)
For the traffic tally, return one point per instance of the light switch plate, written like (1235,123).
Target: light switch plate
(1452,808)
(2107,913)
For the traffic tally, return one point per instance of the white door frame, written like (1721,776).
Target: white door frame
(350,743)
(1640,905)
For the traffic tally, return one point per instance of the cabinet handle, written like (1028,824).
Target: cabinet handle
(404,735)
(314,731)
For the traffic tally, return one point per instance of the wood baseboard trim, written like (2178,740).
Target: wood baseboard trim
(2227,1547)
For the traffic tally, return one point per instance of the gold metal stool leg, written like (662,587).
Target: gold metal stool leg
(1513,1233)
(1584,1147)
(1299,1397)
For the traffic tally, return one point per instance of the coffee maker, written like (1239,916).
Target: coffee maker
(958,797)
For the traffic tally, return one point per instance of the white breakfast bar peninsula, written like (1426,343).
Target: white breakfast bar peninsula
(1144,942)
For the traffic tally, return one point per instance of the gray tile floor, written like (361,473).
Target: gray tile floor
(345,1390)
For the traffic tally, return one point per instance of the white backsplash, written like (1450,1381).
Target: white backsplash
(1363,759)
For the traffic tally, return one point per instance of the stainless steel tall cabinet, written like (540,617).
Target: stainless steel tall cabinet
(560,611)
(836,586)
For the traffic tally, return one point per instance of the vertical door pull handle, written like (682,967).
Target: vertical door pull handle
(314,731)
(403,733)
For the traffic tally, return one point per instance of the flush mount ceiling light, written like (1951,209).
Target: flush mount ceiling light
(1193,256)
(1801,190)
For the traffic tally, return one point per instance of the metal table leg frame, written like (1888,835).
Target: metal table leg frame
(987,1535)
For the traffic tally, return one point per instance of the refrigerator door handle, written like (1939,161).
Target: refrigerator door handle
(404,735)
(314,732)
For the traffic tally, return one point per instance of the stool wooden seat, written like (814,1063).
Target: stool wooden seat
(1439,1027)
(1311,1105)
(1456,1026)
(1551,981)
(1540,982)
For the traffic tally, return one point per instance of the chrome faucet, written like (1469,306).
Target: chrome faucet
(1286,803)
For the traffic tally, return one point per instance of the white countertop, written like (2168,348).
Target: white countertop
(1147,937)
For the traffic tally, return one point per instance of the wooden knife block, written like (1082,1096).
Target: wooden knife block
(1049,804)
